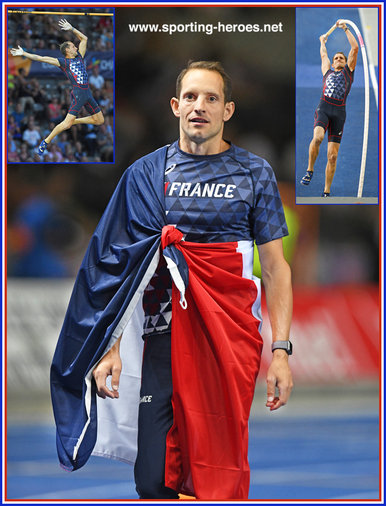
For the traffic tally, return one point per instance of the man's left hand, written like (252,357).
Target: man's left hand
(279,375)
(65,25)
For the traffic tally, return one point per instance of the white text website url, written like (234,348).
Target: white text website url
(207,29)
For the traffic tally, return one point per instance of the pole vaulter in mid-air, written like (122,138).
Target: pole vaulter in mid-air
(330,115)
(74,68)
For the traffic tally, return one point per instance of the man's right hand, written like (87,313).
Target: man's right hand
(341,24)
(109,365)
(323,38)
(17,52)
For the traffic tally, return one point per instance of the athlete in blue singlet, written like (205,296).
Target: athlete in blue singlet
(74,68)
(331,112)
(214,192)
(229,196)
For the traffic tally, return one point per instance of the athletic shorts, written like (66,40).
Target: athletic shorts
(82,97)
(330,117)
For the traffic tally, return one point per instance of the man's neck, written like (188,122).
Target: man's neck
(204,148)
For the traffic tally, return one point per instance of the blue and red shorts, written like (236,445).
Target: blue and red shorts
(82,97)
(332,118)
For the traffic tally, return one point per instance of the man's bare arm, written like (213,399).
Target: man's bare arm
(35,57)
(326,64)
(65,25)
(276,275)
(353,54)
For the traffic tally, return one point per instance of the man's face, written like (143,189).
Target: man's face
(71,50)
(201,107)
(339,61)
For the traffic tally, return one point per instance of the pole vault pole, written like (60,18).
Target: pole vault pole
(367,106)
(327,34)
(367,101)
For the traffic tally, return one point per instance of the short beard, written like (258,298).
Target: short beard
(199,139)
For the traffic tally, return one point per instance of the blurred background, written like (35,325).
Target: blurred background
(39,94)
(325,443)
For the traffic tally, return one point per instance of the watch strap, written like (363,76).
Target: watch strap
(282,345)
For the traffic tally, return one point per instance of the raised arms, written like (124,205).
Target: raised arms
(353,54)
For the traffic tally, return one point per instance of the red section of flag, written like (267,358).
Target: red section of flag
(216,348)
(170,235)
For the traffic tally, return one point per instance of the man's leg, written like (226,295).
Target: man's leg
(60,127)
(155,419)
(94,119)
(313,152)
(313,149)
(78,100)
(95,115)
(332,156)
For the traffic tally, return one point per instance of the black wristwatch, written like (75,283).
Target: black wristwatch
(282,345)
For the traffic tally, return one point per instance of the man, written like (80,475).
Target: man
(31,134)
(202,352)
(74,68)
(331,111)
(96,79)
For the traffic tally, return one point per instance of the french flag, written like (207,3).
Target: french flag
(216,343)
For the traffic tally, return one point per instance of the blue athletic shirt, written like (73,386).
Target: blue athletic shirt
(75,70)
(337,85)
(229,196)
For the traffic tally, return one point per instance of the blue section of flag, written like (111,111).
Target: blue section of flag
(120,251)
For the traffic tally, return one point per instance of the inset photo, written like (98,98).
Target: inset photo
(60,97)
(337,115)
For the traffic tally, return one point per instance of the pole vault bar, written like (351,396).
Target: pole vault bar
(61,13)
